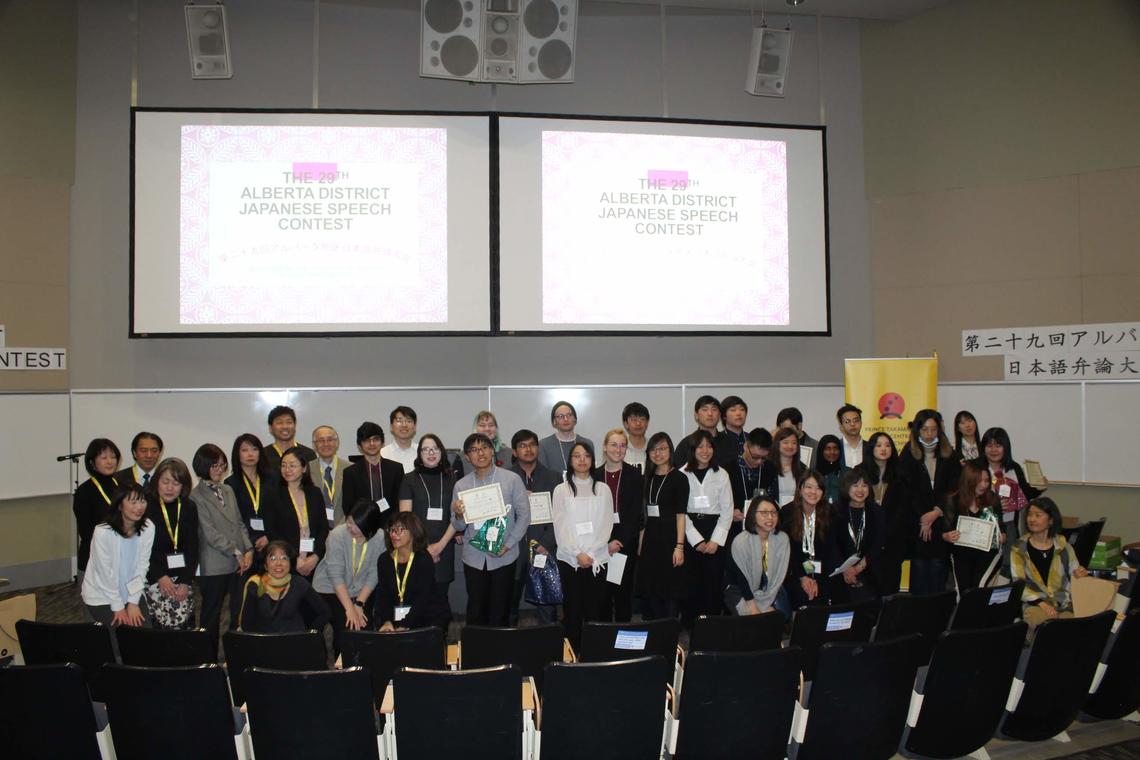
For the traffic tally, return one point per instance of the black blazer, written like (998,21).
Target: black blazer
(428,607)
(236,481)
(724,450)
(90,509)
(831,549)
(356,485)
(630,513)
(868,452)
(187,521)
(281,520)
(921,497)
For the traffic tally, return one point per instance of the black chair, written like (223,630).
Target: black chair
(308,714)
(1119,691)
(924,614)
(736,704)
(275,651)
(159,648)
(737,633)
(610,642)
(605,711)
(1056,676)
(1084,540)
(477,703)
(382,654)
(857,704)
(177,713)
(812,627)
(46,713)
(994,607)
(964,691)
(529,649)
(88,645)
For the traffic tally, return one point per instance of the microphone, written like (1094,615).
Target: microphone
(73,457)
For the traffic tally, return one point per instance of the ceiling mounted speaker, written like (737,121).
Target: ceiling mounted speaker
(548,31)
(209,42)
(450,34)
(768,61)
(500,47)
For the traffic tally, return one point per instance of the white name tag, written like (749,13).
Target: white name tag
(135,586)
(701,504)
(401,611)
(817,567)
(175,561)
(653,510)
(435,513)
(584,528)
(1004,490)
(330,514)
(617,518)
(383,504)
(307,544)
(492,534)
(1008,516)
(257,524)
(540,561)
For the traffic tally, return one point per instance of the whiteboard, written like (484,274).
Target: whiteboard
(33,434)
(1112,440)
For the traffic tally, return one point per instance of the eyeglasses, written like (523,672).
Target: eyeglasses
(329,439)
(564,416)
(767,513)
(277,558)
(478,449)
(429,450)
(397,529)
(219,466)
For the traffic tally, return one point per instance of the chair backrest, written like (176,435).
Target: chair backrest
(45,712)
(608,642)
(603,710)
(965,690)
(440,712)
(1085,539)
(1119,690)
(737,633)
(162,648)
(318,713)
(1057,676)
(814,626)
(276,651)
(924,614)
(88,645)
(178,713)
(859,699)
(738,704)
(382,654)
(529,649)
(992,607)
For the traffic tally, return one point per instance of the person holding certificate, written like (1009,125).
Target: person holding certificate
(490,542)
(819,545)
(174,553)
(426,491)
(1047,563)
(251,484)
(660,568)
(583,514)
(758,562)
(298,513)
(973,554)
(625,484)
(708,517)
(540,482)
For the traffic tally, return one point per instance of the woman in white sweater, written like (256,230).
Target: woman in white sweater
(120,555)
(583,513)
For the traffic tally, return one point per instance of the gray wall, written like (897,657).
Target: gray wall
(368,59)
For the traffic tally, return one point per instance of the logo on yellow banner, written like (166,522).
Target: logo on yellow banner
(896,388)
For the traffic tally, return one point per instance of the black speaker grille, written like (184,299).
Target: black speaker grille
(459,56)
(541,18)
(554,59)
(443,16)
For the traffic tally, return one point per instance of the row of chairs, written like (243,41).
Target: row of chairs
(867,699)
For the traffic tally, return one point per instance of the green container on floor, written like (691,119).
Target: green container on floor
(1107,554)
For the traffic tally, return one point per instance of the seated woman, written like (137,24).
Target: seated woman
(865,523)
(280,601)
(758,562)
(406,593)
(120,555)
(1045,561)
(819,545)
(346,576)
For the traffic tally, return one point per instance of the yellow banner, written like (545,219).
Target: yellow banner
(890,392)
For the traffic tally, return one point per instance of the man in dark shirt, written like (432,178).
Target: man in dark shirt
(537,478)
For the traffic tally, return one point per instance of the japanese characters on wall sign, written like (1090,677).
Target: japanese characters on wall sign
(1061,352)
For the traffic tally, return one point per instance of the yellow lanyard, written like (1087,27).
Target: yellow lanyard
(764,555)
(330,488)
(357,565)
(302,515)
(177,520)
(103,493)
(277,448)
(402,586)
(254,493)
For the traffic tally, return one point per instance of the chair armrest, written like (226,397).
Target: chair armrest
(568,654)
(454,656)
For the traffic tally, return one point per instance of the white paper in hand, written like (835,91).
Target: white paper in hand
(615,568)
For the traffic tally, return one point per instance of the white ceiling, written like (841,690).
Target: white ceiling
(882,10)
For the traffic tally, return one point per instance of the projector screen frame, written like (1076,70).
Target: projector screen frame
(586,332)
(492,251)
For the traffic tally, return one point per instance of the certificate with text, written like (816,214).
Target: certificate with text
(483,503)
(975,533)
(540,509)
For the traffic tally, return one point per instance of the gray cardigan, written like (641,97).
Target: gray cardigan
(222,535)
(746,554)
(336,566)
(552,453)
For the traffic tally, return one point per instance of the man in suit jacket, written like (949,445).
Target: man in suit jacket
(854,450)
(146,448)
(327,471)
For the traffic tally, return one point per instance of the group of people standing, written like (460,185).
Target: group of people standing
(727,520)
